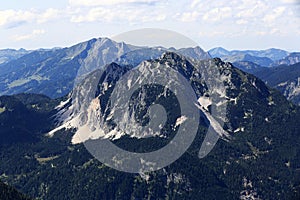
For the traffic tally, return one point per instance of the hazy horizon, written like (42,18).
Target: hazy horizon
(232,25)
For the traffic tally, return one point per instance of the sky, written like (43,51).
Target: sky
(232,24)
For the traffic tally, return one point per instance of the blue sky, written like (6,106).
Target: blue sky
(233,24)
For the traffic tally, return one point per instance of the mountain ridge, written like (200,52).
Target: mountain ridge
(54,72)
(266,58)
(271,53)
(285,78)
(260,161)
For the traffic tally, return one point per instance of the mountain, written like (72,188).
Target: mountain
(7,55)
(53,72)
(26,110)
(135,57)
(285,78)
(291,59)
(114,71)
(246,66)
(261,61)
(9,193)
(265,58)
(273,54)
(219,52)
(194,53)
(259,159)
(281,73)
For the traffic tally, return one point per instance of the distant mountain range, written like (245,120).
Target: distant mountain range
(53,72)
(264,58)
(7,55)
(273,54)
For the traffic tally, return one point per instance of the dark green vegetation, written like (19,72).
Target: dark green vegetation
(262,158)
(285,78)
(24,117)
(9,193)
(279,74)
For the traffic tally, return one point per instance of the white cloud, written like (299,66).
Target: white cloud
(49,15)
(261,33)
(195,3)
(124,14)
(250,10)
(214,18)
(95,14)
(132,11)
(236,17)
(217,14)
(211,33)
(189,16)
(276,13)
(242,21)
(32,35)
(289,1)
(275,31)
(108,2)
(13,18)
